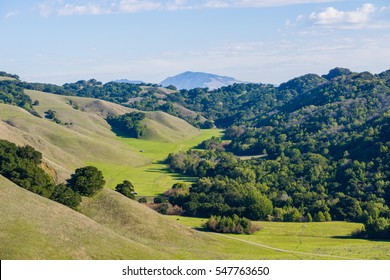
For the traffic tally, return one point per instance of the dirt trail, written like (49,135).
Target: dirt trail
(283,250)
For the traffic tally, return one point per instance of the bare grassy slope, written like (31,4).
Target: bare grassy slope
(33,227)
(91,113)
(84,135)
(141,224)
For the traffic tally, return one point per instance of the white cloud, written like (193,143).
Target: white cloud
(12,14)
(384,9)
(257,3)
(134,6)
(332,16)
(68,8)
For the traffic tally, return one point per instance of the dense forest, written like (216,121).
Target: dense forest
(320,145)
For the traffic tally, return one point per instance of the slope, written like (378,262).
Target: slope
(159,126)
(83,135)
(33,227)
(117,228)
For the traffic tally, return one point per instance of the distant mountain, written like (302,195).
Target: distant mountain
(126,81)
(190,80)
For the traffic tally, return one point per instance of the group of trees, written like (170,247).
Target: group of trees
(232,224)
(128,125)
(21,165)
(306,188)
(12,93)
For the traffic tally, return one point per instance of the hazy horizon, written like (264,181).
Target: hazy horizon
(59,41)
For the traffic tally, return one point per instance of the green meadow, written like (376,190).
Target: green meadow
(154,177)
(329,240)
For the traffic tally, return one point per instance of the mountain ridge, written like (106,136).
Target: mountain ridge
(190,80)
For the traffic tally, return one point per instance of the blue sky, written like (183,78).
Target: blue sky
(267,41)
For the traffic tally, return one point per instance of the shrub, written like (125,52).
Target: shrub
(159,199)
(126,188)
(87,181)
(65,195)
(233,224)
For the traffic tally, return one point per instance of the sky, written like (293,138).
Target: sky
(267,41)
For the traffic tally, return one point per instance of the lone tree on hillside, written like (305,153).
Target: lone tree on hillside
(87,181)
(126,188)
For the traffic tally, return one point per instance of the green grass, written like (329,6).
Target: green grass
(110,226)
(330,238)
(33,227)
(89,140)
(152,178)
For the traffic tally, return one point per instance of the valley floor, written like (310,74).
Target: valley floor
(152,178)
(276,240)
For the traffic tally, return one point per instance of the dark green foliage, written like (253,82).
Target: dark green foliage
(87,181)
(112,91)
(65,195)
(126,188)
(128,125)
(213,144)
(378,228)
(12,93)
(21,166)
(52,115)
(159,199)
(232,224)
(5,74)
(142,200)
(319,217)
(225,188)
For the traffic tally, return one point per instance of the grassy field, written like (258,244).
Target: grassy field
(89,140)
(307,240)
(153,177)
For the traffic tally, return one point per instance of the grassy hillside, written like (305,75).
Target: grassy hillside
(84,137)
(116,228)
(159,126)
(33,227)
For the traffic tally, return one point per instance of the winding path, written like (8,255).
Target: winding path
(283,250)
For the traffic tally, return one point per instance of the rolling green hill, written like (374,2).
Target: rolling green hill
(72,132)
(33,227)
(83,136)
(109,226)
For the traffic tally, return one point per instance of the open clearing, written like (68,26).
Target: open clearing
(308,240)
(154,177)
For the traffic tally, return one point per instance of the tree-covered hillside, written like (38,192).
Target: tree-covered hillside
(321,145)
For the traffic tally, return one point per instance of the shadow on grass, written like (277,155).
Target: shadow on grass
(177,176)
(350,237)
